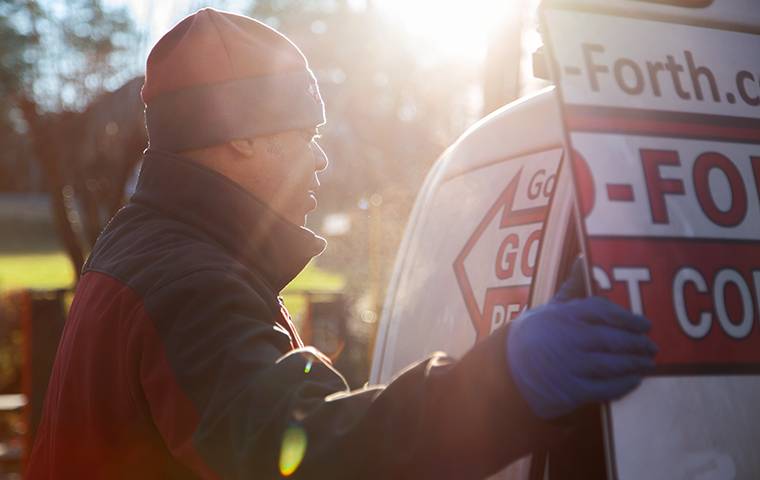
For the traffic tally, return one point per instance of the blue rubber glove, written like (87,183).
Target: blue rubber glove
(571,352)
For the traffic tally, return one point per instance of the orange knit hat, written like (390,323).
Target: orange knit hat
(217,76)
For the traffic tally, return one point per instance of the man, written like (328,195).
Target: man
(178,359)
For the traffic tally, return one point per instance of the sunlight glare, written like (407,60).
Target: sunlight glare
(452,28)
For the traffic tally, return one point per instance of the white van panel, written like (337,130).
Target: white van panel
(425,310)
(674,439)
(530,124)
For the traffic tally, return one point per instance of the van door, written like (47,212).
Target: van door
(469,252)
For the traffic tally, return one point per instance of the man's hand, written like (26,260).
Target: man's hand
(572,352)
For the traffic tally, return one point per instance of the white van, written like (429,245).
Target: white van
(504,212)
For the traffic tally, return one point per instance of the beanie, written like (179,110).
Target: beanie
(217,76)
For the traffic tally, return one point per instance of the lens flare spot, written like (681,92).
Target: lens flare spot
(293,450)
(307,368)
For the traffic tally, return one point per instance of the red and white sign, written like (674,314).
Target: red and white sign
(666,160)
(507,240)
(673,232)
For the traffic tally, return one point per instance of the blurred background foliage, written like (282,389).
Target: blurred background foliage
(72,132)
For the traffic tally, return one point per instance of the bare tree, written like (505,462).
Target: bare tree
(85,141)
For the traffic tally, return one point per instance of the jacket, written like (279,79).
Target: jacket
(178,360)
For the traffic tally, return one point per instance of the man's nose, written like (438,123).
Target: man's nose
(320,158)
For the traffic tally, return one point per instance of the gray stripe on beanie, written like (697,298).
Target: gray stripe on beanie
(206,115)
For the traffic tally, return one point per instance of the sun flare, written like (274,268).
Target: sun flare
(452,27)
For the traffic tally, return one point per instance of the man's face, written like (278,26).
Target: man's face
(283,172)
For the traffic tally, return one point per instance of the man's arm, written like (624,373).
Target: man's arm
(230,405)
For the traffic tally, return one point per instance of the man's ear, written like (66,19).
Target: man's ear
(243,147)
